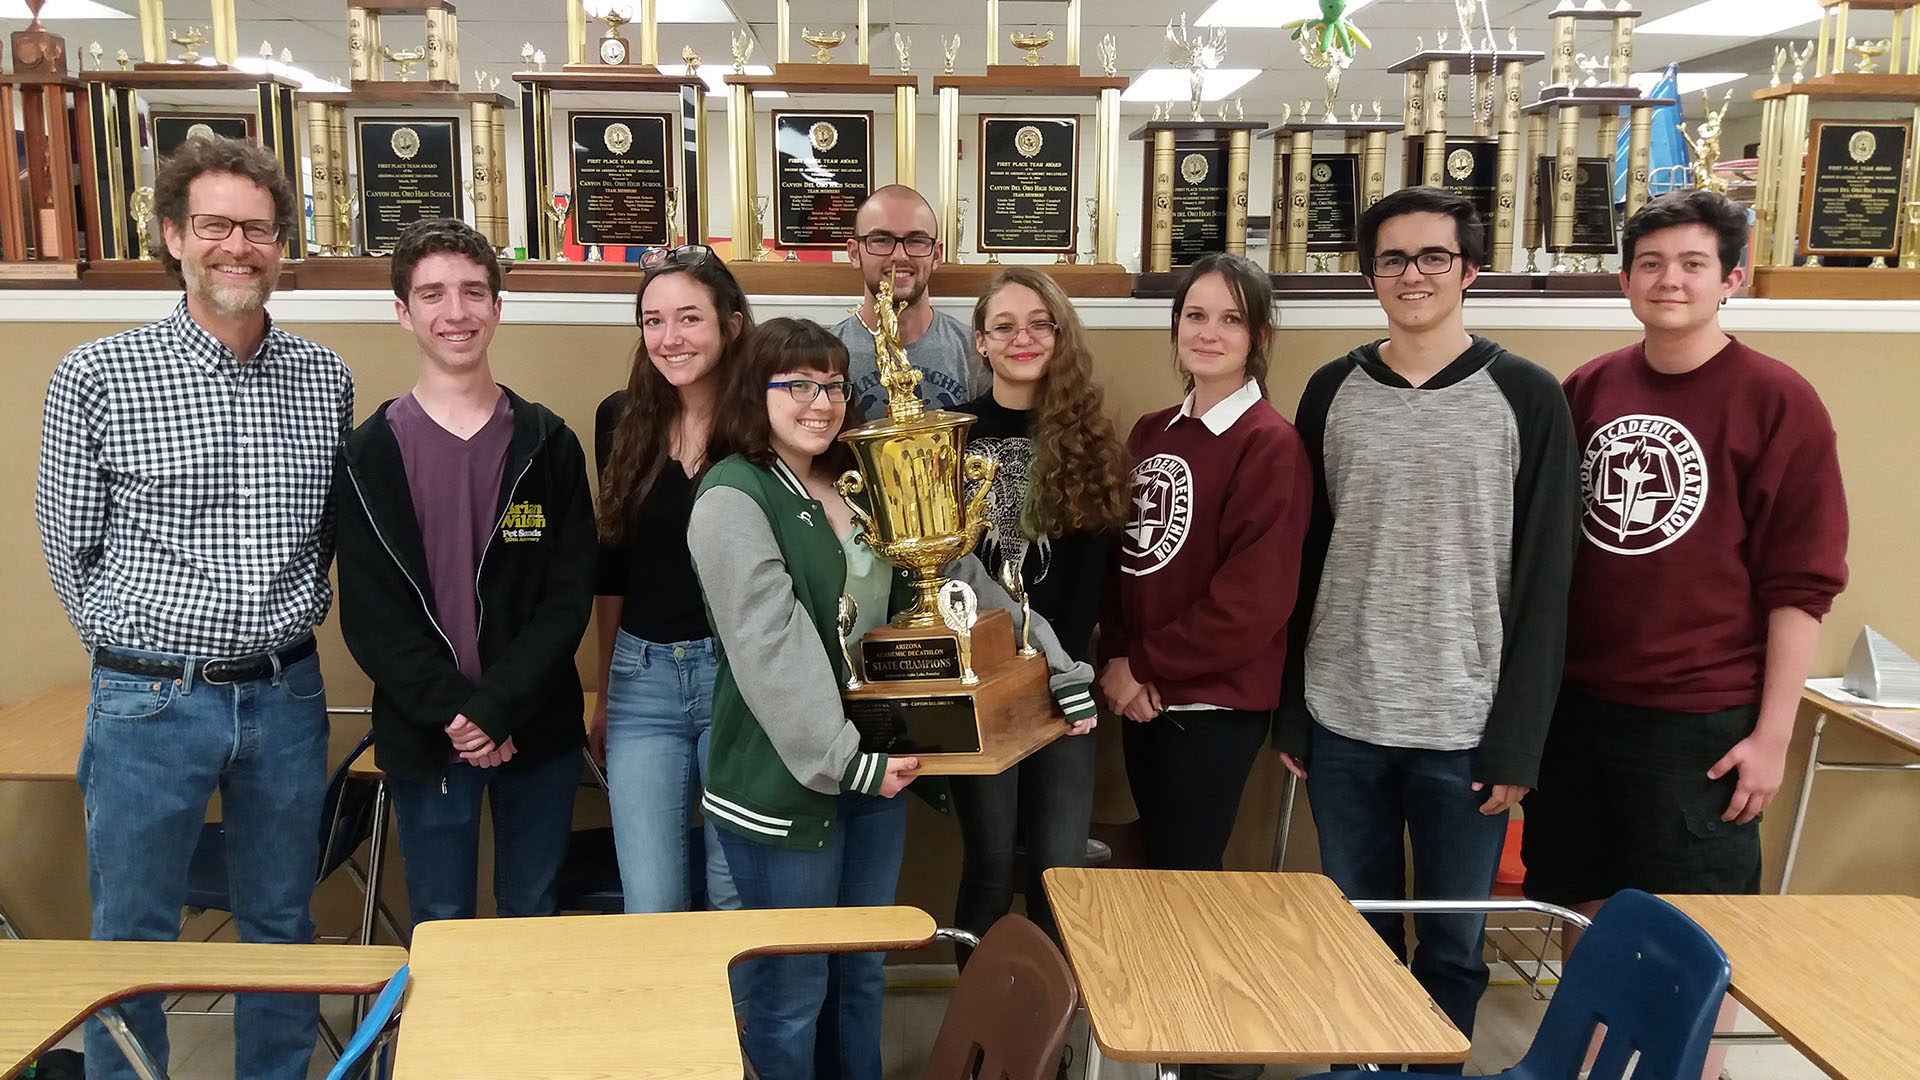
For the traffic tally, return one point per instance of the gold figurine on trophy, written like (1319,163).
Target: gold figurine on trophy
(1705,144)
(823,42)
(1032,43)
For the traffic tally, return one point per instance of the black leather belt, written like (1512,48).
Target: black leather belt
(218,672)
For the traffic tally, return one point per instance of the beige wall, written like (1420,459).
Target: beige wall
(1858,838)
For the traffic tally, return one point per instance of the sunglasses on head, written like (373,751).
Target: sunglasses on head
(684,255)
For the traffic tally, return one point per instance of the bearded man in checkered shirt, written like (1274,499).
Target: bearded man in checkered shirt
(182,502)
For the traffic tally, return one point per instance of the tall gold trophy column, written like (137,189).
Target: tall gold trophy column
(943,680)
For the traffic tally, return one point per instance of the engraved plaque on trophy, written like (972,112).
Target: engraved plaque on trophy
(823,171)
(409,170)
(1851,204)
(1596,231)
(1472,170)
(622,170)
(172,130)
(1200,205)
(1333,206)
(1028,183)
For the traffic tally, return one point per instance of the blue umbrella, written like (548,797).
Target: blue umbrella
(1667,147)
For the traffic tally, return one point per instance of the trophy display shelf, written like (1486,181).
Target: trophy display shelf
(45,202)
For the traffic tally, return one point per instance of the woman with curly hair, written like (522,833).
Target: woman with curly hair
(1056,508)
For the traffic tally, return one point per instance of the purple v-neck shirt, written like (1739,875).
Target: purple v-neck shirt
(455,484)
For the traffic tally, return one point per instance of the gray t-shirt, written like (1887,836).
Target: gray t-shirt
(950,376)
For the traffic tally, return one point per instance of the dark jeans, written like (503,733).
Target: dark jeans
(439,828)
(1045,801)
(1186,770)
(1365,798)
(815,1014)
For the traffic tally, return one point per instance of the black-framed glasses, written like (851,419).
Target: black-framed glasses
(1430,262)
(918,245)
(806,390)
(1039,331)
(219,227)
(684,255)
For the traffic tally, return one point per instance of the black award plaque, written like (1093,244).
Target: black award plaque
(1200,204)
(1852,201)
(931,724)
(1596,231)
(1333,203)
(622,168)
(823,171)
(1471,169)
(172,130)
(1029,183)
(409,170)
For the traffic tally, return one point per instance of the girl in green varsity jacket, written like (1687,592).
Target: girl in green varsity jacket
(807,819)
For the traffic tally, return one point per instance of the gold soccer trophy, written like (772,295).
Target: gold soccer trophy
(944,679)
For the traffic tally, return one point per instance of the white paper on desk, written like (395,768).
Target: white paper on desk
(1831,688)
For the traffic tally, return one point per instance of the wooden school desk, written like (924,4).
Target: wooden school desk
(40,735)
(49,987)
(1872,721)
(595,998)
(1182,966)
(1836,976)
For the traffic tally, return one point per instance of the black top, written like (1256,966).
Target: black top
(653,570)
(1064,575)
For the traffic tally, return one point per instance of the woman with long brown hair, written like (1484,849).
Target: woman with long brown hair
(656,650)
(1056,506)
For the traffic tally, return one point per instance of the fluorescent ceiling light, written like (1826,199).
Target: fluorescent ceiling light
(668,11)
(1175,84)
(1691,82)
(714,75)
(1265,12)
(309,82)
(1735,18)
(59,11)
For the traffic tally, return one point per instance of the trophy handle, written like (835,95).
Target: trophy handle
(981,468)
(851,483)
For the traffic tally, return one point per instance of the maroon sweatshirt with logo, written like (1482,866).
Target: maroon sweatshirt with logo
(1709,499)
(1210,560)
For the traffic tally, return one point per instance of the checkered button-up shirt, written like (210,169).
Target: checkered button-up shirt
(182,496)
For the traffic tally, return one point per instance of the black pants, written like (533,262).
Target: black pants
(1186,770)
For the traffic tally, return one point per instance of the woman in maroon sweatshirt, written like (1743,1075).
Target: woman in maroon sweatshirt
(1193,638)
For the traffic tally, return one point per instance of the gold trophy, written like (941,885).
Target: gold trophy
(944,680)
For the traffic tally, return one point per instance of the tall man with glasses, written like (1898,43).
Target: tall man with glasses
(182,502)
(1433,591)
(466,579)
(895,239)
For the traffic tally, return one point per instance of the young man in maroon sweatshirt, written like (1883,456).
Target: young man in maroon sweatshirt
(1713,539)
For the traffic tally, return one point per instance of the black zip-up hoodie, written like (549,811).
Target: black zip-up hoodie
(535,596)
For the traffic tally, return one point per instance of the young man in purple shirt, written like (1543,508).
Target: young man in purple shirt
(466,559)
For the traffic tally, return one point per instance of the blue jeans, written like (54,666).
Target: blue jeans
(1045,801)
(1365,798)
(659,709)
(439,828)
(818,1015)
(155,751)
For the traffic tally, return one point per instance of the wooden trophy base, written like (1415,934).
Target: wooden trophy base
(954,728)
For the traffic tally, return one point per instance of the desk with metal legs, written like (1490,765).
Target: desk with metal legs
(1850,715)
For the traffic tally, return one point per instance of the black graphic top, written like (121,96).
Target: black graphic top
(1064,574)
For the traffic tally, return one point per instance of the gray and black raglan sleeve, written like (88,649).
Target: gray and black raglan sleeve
(1546,515)
(1293,721)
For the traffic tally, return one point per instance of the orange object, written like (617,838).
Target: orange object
(1512,872)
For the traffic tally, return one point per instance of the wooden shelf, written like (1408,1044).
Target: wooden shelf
(1418,61)
(1196,129)
(607,77)
(1047,80)
(32,78)
(1872,5)
(1834,283)
(400,93)
(188,77)
(1848,87)
(1338,127)
(1590,103)
(825,79)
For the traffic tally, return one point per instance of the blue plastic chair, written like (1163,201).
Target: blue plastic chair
(372,1030)
(1646,971)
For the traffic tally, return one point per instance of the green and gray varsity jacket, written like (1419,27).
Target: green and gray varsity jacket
(772,570)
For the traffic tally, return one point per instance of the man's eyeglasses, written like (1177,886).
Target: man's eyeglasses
(918,245)
(684,255)
(1039,331)
(216,227)
(1432,262)
(806,390)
